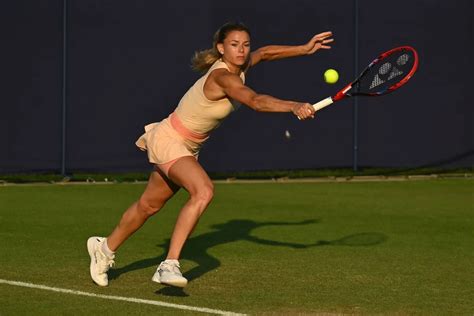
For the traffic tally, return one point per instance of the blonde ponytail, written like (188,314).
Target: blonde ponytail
(203,60)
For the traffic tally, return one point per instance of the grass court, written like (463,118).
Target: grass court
(376,247)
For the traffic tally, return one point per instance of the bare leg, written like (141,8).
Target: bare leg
(189,174)
(158,190)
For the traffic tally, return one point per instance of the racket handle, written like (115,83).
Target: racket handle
(323,103)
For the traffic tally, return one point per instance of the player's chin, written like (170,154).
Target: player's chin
(240,61)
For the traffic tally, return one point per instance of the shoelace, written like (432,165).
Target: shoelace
(171,267)
(105,264)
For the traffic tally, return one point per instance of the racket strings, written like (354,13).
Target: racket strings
(386,72)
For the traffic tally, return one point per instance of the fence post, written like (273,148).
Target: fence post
(64,91)
(355,99)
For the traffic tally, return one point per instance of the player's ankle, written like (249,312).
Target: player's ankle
(106,250)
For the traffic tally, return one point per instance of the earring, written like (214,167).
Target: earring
(222,53)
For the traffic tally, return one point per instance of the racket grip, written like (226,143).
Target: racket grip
(323,103)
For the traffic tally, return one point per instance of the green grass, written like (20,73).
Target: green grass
(278,248)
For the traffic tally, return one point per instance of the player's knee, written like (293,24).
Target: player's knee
(147,207)
(204,194)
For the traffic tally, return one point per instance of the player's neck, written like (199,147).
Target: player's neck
(233,68)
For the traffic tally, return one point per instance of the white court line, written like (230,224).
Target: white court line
(120,298)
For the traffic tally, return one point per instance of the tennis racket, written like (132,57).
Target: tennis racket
(385,74)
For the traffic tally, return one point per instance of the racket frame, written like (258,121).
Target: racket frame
(346,91)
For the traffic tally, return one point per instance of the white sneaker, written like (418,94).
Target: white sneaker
(168,273)
(100,263)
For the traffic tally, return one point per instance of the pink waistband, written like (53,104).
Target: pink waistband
(184,131)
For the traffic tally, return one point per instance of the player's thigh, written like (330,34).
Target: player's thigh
(159,189)
(189,174)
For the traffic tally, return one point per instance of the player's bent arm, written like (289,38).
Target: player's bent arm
(274,52)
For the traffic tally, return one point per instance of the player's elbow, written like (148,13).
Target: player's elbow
(256,103)
(261,54)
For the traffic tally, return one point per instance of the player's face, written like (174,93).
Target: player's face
(236,48)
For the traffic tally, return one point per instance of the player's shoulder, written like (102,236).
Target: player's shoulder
(223,75)
(220,72)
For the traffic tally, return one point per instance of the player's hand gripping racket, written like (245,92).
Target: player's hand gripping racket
(385,74)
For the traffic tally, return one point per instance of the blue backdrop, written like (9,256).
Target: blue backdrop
(128,65)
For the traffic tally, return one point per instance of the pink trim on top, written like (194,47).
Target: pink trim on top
(184,131)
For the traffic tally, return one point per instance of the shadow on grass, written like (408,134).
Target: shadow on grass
(172,291)
(354,240)
(197,247)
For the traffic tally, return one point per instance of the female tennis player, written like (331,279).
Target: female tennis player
(173,144)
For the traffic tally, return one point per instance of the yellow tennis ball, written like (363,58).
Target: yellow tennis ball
(331,76)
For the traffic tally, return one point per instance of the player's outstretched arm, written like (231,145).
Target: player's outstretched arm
(231,86)
(274,52)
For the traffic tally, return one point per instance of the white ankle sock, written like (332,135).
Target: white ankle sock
(106,250)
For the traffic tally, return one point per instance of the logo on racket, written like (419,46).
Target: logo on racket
(386,67)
